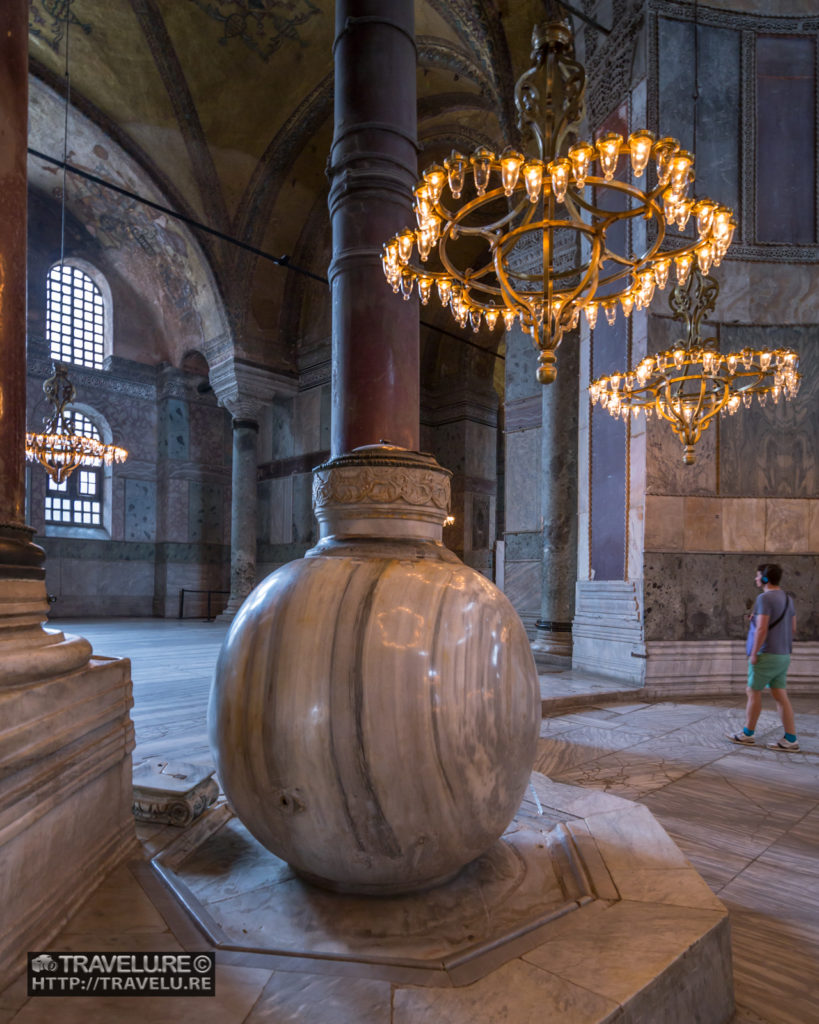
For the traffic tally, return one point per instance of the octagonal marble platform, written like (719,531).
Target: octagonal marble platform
(584,911)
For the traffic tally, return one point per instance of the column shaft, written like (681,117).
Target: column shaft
(559,505)
(243,513)
(373,167)
(17,556)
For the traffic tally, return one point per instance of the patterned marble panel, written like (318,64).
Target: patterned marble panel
(743,524)
(664,520)
(771,451)
(768,293)
(665,471)
(522,585)
(280,523)
(787,524)
(307,421)
(702,524)
(174,429)
(282,442)
(636,533)
(207,425)
(140,509)
(206,512)
(522,481)
(813,526)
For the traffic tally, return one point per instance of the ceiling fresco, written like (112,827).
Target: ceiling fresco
(222,111)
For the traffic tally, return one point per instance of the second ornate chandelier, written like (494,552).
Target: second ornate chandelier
(539,238)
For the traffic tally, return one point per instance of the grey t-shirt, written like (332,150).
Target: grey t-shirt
(772,603)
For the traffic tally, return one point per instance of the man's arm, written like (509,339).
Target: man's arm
(759,636)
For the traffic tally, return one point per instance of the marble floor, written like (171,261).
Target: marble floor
(747,819)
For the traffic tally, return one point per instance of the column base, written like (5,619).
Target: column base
(27,650)
(553,643)
(172,793)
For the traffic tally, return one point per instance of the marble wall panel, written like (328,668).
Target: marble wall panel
(481,450)
(522,587)
(664,523)
(522,481)
(307,421)
(325,417)
(702,524)
(207,427)
(583,566)
(279,525)
(636,530)
(140,510)
(99,577)
(813,526)
(768,293)
(521,366)
(637,463)
(772,450)
(116,523)
(787,525)
(174,429)
(175,514)
(305,528)
(206,513)
(662,596)
(666,473)
(743,524)
(702,596)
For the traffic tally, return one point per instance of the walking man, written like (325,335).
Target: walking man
(770,637)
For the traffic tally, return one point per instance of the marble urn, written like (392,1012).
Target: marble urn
(375,706)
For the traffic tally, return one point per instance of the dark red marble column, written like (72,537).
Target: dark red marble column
(18,557)
(373,168)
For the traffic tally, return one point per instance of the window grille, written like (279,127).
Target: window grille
(77,501)
(74,317)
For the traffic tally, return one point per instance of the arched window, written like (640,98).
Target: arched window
(75,317)
(77,501)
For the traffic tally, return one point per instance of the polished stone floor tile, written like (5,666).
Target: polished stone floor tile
(518,993)
(290,998)
(237,990)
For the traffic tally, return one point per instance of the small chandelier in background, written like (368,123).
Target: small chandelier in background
(689,384)
(58,449)
(566,211)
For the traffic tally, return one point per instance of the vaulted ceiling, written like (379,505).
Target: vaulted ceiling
(222,110)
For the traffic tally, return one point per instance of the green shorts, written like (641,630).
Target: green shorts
(770,670)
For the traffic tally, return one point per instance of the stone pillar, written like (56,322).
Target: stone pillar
(559,507)
(373,168)
(65,730)
(244,390)
(242,514)
(19,558)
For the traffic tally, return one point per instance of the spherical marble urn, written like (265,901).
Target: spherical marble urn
(375,708)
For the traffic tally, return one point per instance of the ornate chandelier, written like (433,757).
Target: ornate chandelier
(689,384)
(575,213)
(58,449)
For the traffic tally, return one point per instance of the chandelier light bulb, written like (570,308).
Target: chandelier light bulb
(435,177)
(511,163)
(639,145)
(663,151)
(406,241)
(581,155)
(560,171)
(608,147)
(610,309)
(444,285)
(682,268)
(661,269)
(424,289)
(533,178)
(704,212)
(481,161)
(491,317)
(455,165)
(508,317)
(406,285)
(705,257)
(591,315)
(679,170)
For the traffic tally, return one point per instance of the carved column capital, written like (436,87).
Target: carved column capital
(244,389)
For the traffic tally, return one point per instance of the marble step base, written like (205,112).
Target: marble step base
(584,909)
